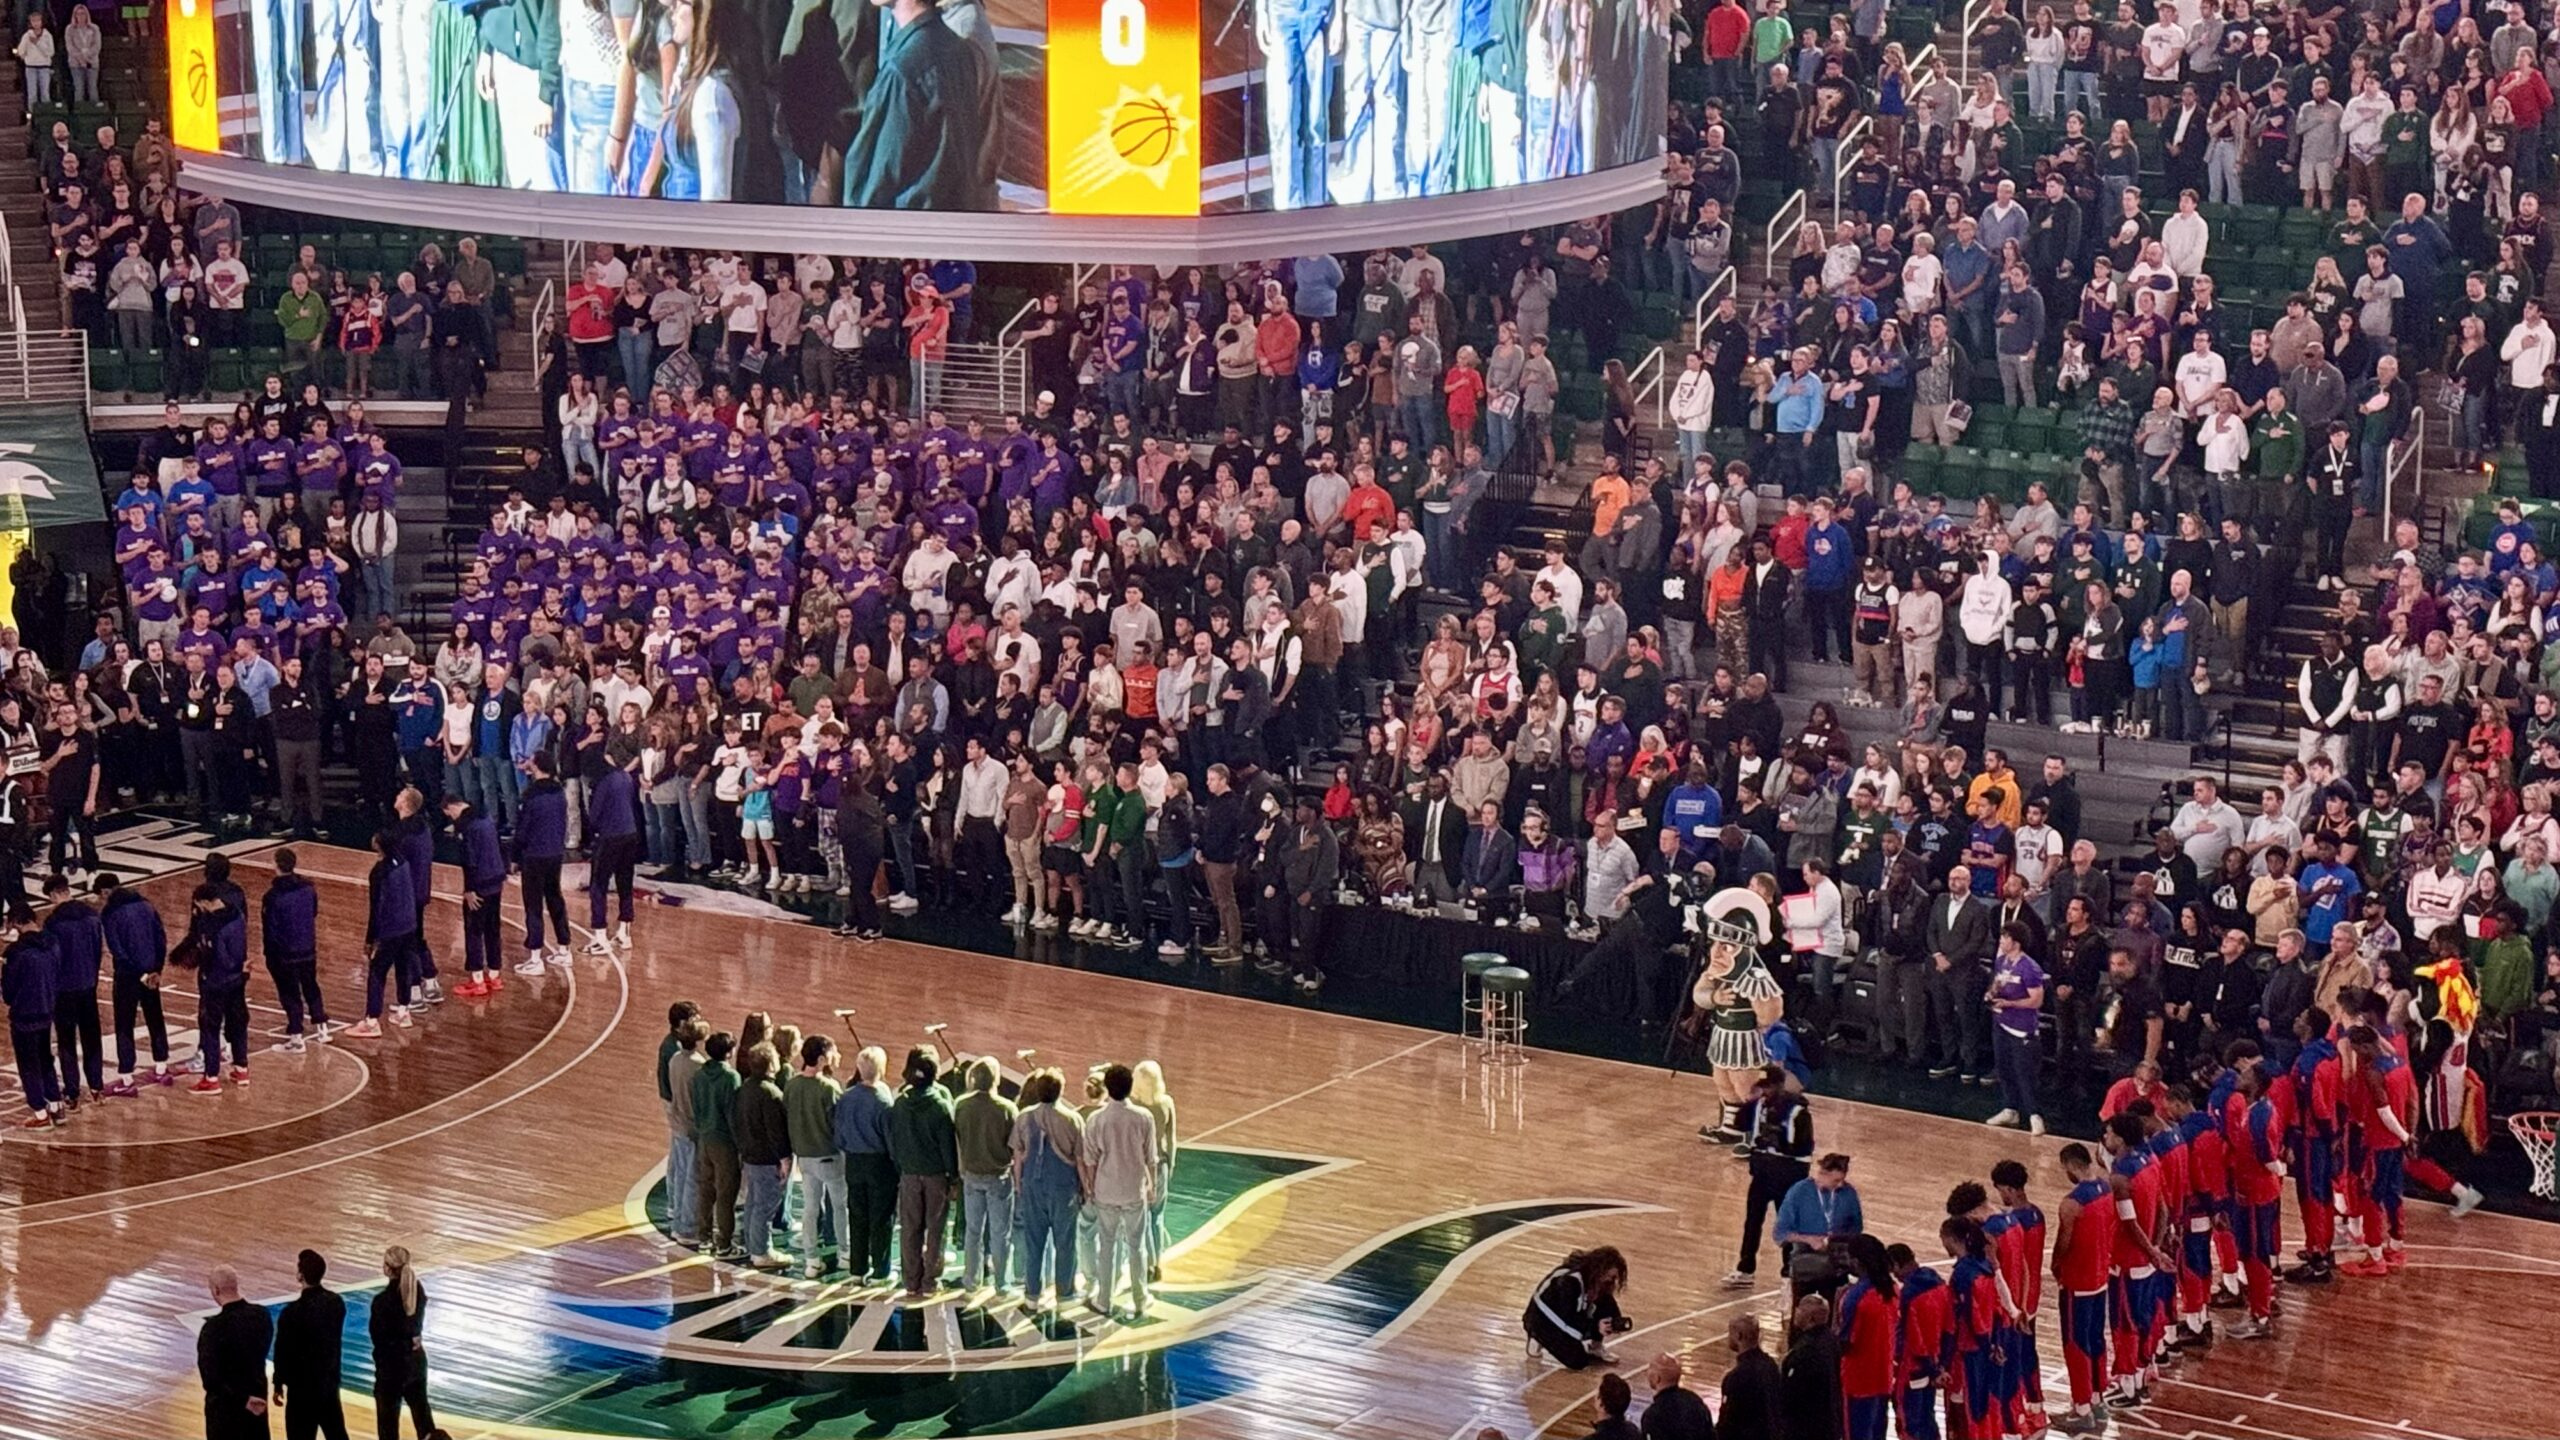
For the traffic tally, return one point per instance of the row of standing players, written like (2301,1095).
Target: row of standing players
(2177,1214)
(50,973)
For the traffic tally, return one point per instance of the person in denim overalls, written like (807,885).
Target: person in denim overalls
(1048,1197)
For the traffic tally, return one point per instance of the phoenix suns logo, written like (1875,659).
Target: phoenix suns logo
(621,1334)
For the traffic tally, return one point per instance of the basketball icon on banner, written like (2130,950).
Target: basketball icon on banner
(1141,138)
(1145,129)
(1124,107)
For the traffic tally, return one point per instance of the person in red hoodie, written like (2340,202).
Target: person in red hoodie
(1867,1356)
(1728,29)
(1923,1344)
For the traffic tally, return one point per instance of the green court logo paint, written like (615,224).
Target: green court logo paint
(611,1336)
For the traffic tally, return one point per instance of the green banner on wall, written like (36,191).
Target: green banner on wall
(46,466)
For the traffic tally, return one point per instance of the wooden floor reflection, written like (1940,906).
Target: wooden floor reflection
(1361,1211)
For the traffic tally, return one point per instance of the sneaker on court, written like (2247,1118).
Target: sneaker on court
(401,1017)
(432,992)
(1081,928)
(622,936)
(2465,1200)
(366,1029)
(1740,1279)
(599,945)
(1013,916)
(1170,951)
(121,1088)
(289,1045)
(2004,1120)
(239,1074)
(561,957)
(531,964)
(42,1121)
(206,1086)
(471,989)
(2035,1124)
(904,904)
(1044,921)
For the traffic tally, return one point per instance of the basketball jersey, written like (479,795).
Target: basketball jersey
(2398,1093)
(2169,1148)
(1924,1344)
(2252,1141)
(2141,1176)
(2085,1260)
(1976,1284)
(1866,1342)
(2208,1167)
(2026,1275)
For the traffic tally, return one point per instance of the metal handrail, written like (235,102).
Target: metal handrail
(1790,215)
(1726,279)
(2411,450)
(9,274)
(1850,139)
(1975,11)
(1655,364)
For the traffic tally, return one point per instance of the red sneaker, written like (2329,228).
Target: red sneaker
(2395,1258)
(38,1121)
(470,990)
(2369,1269)
(206,1086)
(120,1090)
(239,1074)
(492,981)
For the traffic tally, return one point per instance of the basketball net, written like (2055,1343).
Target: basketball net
(2538,1131)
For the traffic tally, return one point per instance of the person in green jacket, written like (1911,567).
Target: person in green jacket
(809,1107)
(715,1145)
(1123,858)
(763,1131)
(2505,959)
(923,141)
(304,315)
(925,1146)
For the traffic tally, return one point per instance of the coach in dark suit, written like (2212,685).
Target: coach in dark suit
(310,1334)
(231,1358)
(1960,937)
(1490,861)
(1764,613)
(1435,840)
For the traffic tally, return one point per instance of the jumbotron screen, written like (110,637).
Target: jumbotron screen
(1069,107)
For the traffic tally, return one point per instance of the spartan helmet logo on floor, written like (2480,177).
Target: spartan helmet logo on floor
(1736,919)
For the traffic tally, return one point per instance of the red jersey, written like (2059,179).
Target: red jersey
(1976,1284)
(2138,1212)
(2169,1147)
(2082,1265)
(2252,1144)
(1925,1344)
(2399,1092)
(1867,1359)
(2208,1165)
(2026,1283)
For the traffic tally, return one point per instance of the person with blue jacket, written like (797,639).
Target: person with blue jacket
(289,931)
(219,926)
(79,951)
(1831,568)
(417,704)
(484,886)
(613,848)
(138,945)
(26,986)
(1695,812)
(390,936)
(542,843)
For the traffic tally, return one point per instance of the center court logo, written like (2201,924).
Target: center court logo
(605,1336)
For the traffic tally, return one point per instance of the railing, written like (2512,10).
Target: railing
(2409,450)
(546,305)
(1975,12)
(1850,139)
(1728,279)
(49,368)
(1789,216)
(1647,382)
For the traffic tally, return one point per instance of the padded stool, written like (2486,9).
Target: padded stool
(1471,972)
(1506,1014)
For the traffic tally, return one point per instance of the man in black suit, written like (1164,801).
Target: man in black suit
(1960,936)
(231,1359)
(1675,1412)
(309,1334)
(1764,613)
(1489,865)
(1435,839)
(1751,1387)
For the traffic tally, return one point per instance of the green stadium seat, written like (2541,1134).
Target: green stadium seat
(106,370)
(227,373)
(143,373)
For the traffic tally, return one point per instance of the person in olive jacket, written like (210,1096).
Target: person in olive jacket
(715,1147)
(763,1131)
(927,1151)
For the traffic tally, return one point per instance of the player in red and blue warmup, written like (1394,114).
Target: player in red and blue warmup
(2314,1136)
(1924,1342)
(2141,1261)
(2082,1272)
(1983,1320)
(2381,1102)
(1867,1360)
(2253,1145)
(2208,1193)
(2084,1252)
(2021,1255)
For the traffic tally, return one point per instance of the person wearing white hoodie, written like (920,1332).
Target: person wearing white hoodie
(1982,613)
(1693,407)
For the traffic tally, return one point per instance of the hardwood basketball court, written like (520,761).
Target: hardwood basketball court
(1359,1213)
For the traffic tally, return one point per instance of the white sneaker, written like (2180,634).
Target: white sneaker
(434,992)
(1044,921)
(622,936)
(1013,916)
(321,1033)
(751,877)
(289,1045)
(1170,951)
(561,957)
(1740,1279)
(599,945)
(903,905)
(844,889)
(2465,1200)
(2035,1124)
(1081,928)
(531,964)
(2003,1120)
(400,1016)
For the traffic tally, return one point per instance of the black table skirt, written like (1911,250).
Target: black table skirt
(1394,947)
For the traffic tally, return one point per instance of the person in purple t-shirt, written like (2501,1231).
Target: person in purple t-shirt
(2016,998)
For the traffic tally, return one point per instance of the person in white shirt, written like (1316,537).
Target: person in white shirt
(1983,613)
(1814,920)
(2200,376)
(2206,826)
(2183,238)
(2530,348)
(1119,1172)
(1565,581)
(2225,437)
(2436,894)
(1014,579)
(979,846)
(923,576)
(2164,47)
(1921,274)
(2270,828)
(2039,850)
(1693,407)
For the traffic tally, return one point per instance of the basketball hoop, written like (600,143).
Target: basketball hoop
(2538,1131)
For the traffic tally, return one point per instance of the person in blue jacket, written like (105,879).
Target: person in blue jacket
(220,928)
(414,832)
(484,886)
(1830,569)
(613,848)
(390,937)
(138,945)
(26,986)
(79,952)
(542,843)
(289,928)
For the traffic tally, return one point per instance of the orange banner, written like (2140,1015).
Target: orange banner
(1124,107)
(195,117)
